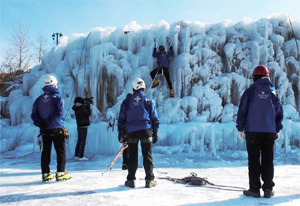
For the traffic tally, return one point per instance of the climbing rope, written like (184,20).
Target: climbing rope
(194,180)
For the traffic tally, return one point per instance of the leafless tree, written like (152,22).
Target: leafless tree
(18,55)
(40,47)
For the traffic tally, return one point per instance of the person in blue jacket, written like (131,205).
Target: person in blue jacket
(138,118)
(163,66)
(259,116)
(47,114)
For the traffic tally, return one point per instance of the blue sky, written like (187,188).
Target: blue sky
(80,16)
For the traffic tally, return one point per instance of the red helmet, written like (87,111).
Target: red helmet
(260,71)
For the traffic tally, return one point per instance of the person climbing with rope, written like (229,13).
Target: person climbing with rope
(163,65)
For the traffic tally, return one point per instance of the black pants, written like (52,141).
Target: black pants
(260,148)
(165,72)
(80,146)
(145,136)
(125,156)
(57,137)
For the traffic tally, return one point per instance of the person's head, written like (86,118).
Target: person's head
(161,48)
(50,80)
(78,100)
(259,72)
(138,84)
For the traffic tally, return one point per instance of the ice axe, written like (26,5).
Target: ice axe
(116,157)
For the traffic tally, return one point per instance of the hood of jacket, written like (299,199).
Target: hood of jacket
(263,84)
(50,89)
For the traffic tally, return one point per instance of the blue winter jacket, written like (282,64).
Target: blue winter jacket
(138,113)
(49,107)
(260,109)
(163,57)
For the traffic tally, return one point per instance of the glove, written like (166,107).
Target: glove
(122,136)
(154,137)
(241,135)
(277,136)
(42,125)
(171,47)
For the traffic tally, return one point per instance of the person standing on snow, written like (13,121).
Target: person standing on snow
(138,117)
(47,114)
(125,152)
(82,112)
(260,115)
(163,66)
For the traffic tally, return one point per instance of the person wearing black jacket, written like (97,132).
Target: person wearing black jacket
(82,113)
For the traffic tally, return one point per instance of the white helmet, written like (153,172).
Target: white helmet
(138,83)
(50,80)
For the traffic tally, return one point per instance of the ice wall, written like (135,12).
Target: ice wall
(211,68)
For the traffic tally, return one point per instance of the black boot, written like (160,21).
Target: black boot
(130,183)
(268,193)
(251,194)
(150,183)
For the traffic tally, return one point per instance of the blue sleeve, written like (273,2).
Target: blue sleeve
(60,107)
(122,117)
(35,116)
(154,54)
(243,111)
(154,118)
(170,53)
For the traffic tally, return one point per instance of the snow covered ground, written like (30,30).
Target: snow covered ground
(20,182)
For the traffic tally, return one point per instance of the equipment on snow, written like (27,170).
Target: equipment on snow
(194,180)
(116,157)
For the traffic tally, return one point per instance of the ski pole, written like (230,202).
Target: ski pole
(116,157)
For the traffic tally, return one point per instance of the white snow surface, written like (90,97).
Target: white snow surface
(20,182)
(211,69)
